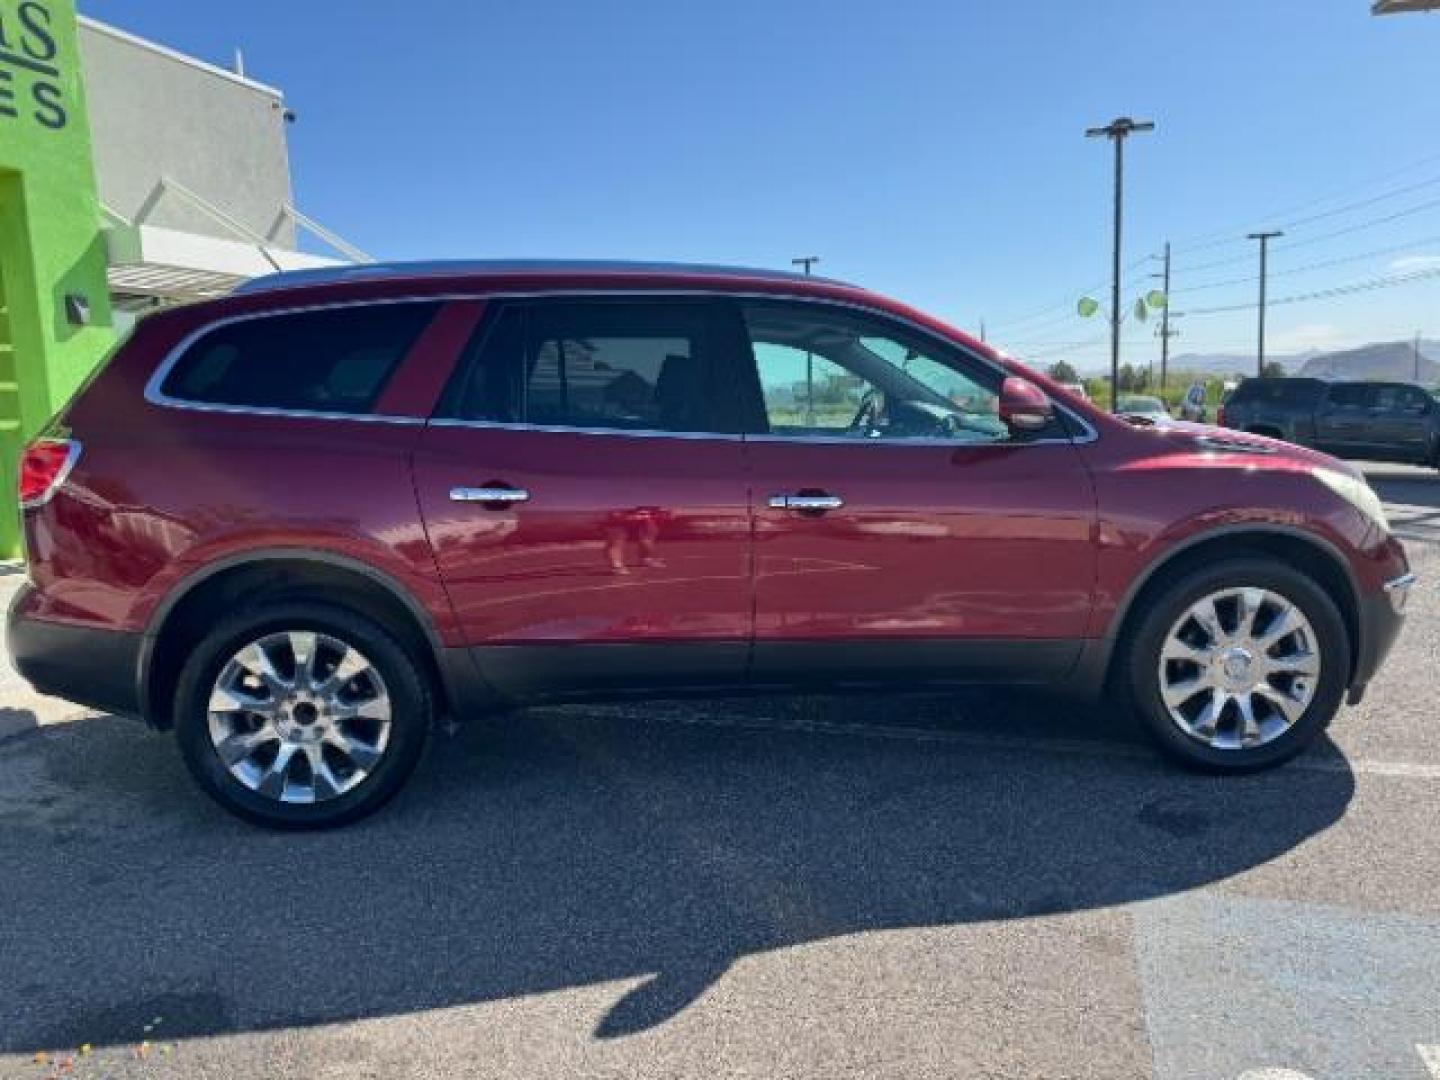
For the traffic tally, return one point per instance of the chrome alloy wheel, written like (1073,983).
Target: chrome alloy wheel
(299,717)
(1239,668)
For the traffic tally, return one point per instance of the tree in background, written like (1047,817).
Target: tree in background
(1273,370)
(1062,372)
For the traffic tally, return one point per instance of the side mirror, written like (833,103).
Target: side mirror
(1024,406)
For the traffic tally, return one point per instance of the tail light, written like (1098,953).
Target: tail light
(43,468)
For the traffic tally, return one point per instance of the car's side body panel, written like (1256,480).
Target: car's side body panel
(649,562)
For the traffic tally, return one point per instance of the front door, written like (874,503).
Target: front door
(1342,422)
(585,502)
(900,527)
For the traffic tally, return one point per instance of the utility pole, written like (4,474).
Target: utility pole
(982,329)
(807,261)
(1264,238)
(1165,332)
(1117,131)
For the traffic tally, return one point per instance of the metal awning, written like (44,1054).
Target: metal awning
(166,264)
(170,265)
(1397,7)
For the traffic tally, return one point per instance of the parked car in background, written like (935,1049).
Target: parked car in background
(1192,405)
(1144,408)
(1380,421)
(298,524)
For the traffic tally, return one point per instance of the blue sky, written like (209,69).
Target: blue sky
(932,149)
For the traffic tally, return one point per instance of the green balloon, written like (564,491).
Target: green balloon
(1087,307)
(1156,299)
(1141,311)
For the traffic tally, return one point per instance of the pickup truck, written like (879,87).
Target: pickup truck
(1378,421)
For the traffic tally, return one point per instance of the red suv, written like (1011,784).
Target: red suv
(300,523)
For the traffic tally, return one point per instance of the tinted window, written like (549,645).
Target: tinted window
(833,373)
(1401,399)
(626,365)
(1351,396)
(1279,391)
(336,360)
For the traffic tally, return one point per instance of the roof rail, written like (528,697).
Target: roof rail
(461,267)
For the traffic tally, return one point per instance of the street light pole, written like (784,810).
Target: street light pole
(1117,131)
(1264,238)
(807,261)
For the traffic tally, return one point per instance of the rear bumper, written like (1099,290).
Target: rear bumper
(94,668)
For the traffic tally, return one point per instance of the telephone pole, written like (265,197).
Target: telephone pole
(1117,131)
(1165,332)
(1264,238)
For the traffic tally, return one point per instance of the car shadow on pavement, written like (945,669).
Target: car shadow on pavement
(569,847)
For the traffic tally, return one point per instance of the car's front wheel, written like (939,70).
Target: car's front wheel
(305,715)
(1240,665)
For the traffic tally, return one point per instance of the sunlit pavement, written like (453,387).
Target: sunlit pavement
(978,885)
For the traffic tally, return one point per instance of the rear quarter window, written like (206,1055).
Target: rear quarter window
(333,360)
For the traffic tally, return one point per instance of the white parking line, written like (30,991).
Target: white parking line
(1025,744)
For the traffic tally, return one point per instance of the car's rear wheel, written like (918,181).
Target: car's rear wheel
(1240,665)
(304,715)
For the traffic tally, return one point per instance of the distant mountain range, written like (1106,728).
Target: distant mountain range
(1384,360)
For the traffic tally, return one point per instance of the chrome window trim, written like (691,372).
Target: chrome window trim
(154,395)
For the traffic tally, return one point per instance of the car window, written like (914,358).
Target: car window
(831,373)
(1401,399)
(622,365)
(1351,396)
(335,360)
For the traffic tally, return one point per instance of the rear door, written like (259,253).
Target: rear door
(1400,422)
(584,494)
(900,528)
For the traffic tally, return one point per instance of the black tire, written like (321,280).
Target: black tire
(410,719)
(1141,655)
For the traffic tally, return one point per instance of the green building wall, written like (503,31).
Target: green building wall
(51,244)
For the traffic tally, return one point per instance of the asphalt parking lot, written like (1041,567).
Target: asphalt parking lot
(975,885)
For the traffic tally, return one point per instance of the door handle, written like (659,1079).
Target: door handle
(496,496)
(817,503)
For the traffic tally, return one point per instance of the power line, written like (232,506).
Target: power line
(1409,245)
(1234,235)
(1323,294)
(1334,233)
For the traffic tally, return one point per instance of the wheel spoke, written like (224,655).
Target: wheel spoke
(234,699)
(1283,623)
(1207,722)
(1298,663)
(274,779)
(1178,693)
(256,660)
(351,664)
(1290,707)
(376,708)
(1208,616)
(1247,606)
(1179,649)
(1249,726)
(364,755)
(302,647)
(238,747)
